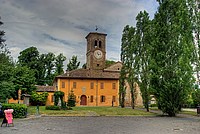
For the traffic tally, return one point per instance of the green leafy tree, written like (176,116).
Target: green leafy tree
(173,53)
(143,54)
(128,59)
(73,63)
(196,97)
(6,70)
(59,64)
(122,87)
(41,70)
(38,99)
(23,80)
(49,65)
(30,58)
(194,7)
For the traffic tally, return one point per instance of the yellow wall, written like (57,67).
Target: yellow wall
(48,102)
(83,88)
(15,101)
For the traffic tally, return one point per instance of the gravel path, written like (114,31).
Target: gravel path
(104,125)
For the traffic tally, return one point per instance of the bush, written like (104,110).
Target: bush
(153,105)
(71,102)
(38,99)
(58,95)
(20,110)
(52,107)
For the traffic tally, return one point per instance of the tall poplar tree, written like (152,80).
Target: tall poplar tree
(143,54)
(128,61)
(173,54)
(194,8)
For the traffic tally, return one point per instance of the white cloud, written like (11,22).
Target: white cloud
(61,26)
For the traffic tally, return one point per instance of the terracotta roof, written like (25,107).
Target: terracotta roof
(45,88)
(114,67)
(95,33)
(91,74)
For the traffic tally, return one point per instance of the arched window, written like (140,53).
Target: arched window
(99,44)
(95,44)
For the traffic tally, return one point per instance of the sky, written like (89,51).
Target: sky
(60,26)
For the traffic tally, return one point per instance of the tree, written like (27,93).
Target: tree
(23,80)
(128,59)
(6,70)
(3,47)
(41,70)
(49,66)
(30,58)
(122,87)
(73,63)
(59,64)
(173,53)
(71,102)
(194,8)
(196,97)
(38,99)
(143,54)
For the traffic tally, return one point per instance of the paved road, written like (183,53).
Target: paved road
(104,125)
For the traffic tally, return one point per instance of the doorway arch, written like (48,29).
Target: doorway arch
(83,100)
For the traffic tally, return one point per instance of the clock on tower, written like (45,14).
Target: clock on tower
(96,50)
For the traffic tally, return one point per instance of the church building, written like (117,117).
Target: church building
(96,85)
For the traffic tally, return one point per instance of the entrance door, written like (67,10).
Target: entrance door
(83,100)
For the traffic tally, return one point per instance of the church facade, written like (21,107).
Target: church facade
(95,85)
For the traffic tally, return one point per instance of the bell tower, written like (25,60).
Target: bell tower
(96,50)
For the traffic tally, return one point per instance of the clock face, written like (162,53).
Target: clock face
(98,54)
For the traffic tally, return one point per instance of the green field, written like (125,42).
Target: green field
(90,111)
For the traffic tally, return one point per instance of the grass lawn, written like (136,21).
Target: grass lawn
(90,111)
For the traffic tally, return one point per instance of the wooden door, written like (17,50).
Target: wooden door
(83,100)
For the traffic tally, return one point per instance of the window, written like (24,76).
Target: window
(114,86)
(103,98)
(99,44)
(74,85)
(63,84)
(52,98)
(95,44)
(91,98)
(92,85)
(102,86)
(113,99)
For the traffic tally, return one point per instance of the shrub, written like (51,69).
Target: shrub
(58,95)
(71,99)
(20,110)
(38,99)
(153,105)
(52,107)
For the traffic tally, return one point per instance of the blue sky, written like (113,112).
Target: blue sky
(60,26)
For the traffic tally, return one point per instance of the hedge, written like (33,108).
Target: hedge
(52,107)
(20,110)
